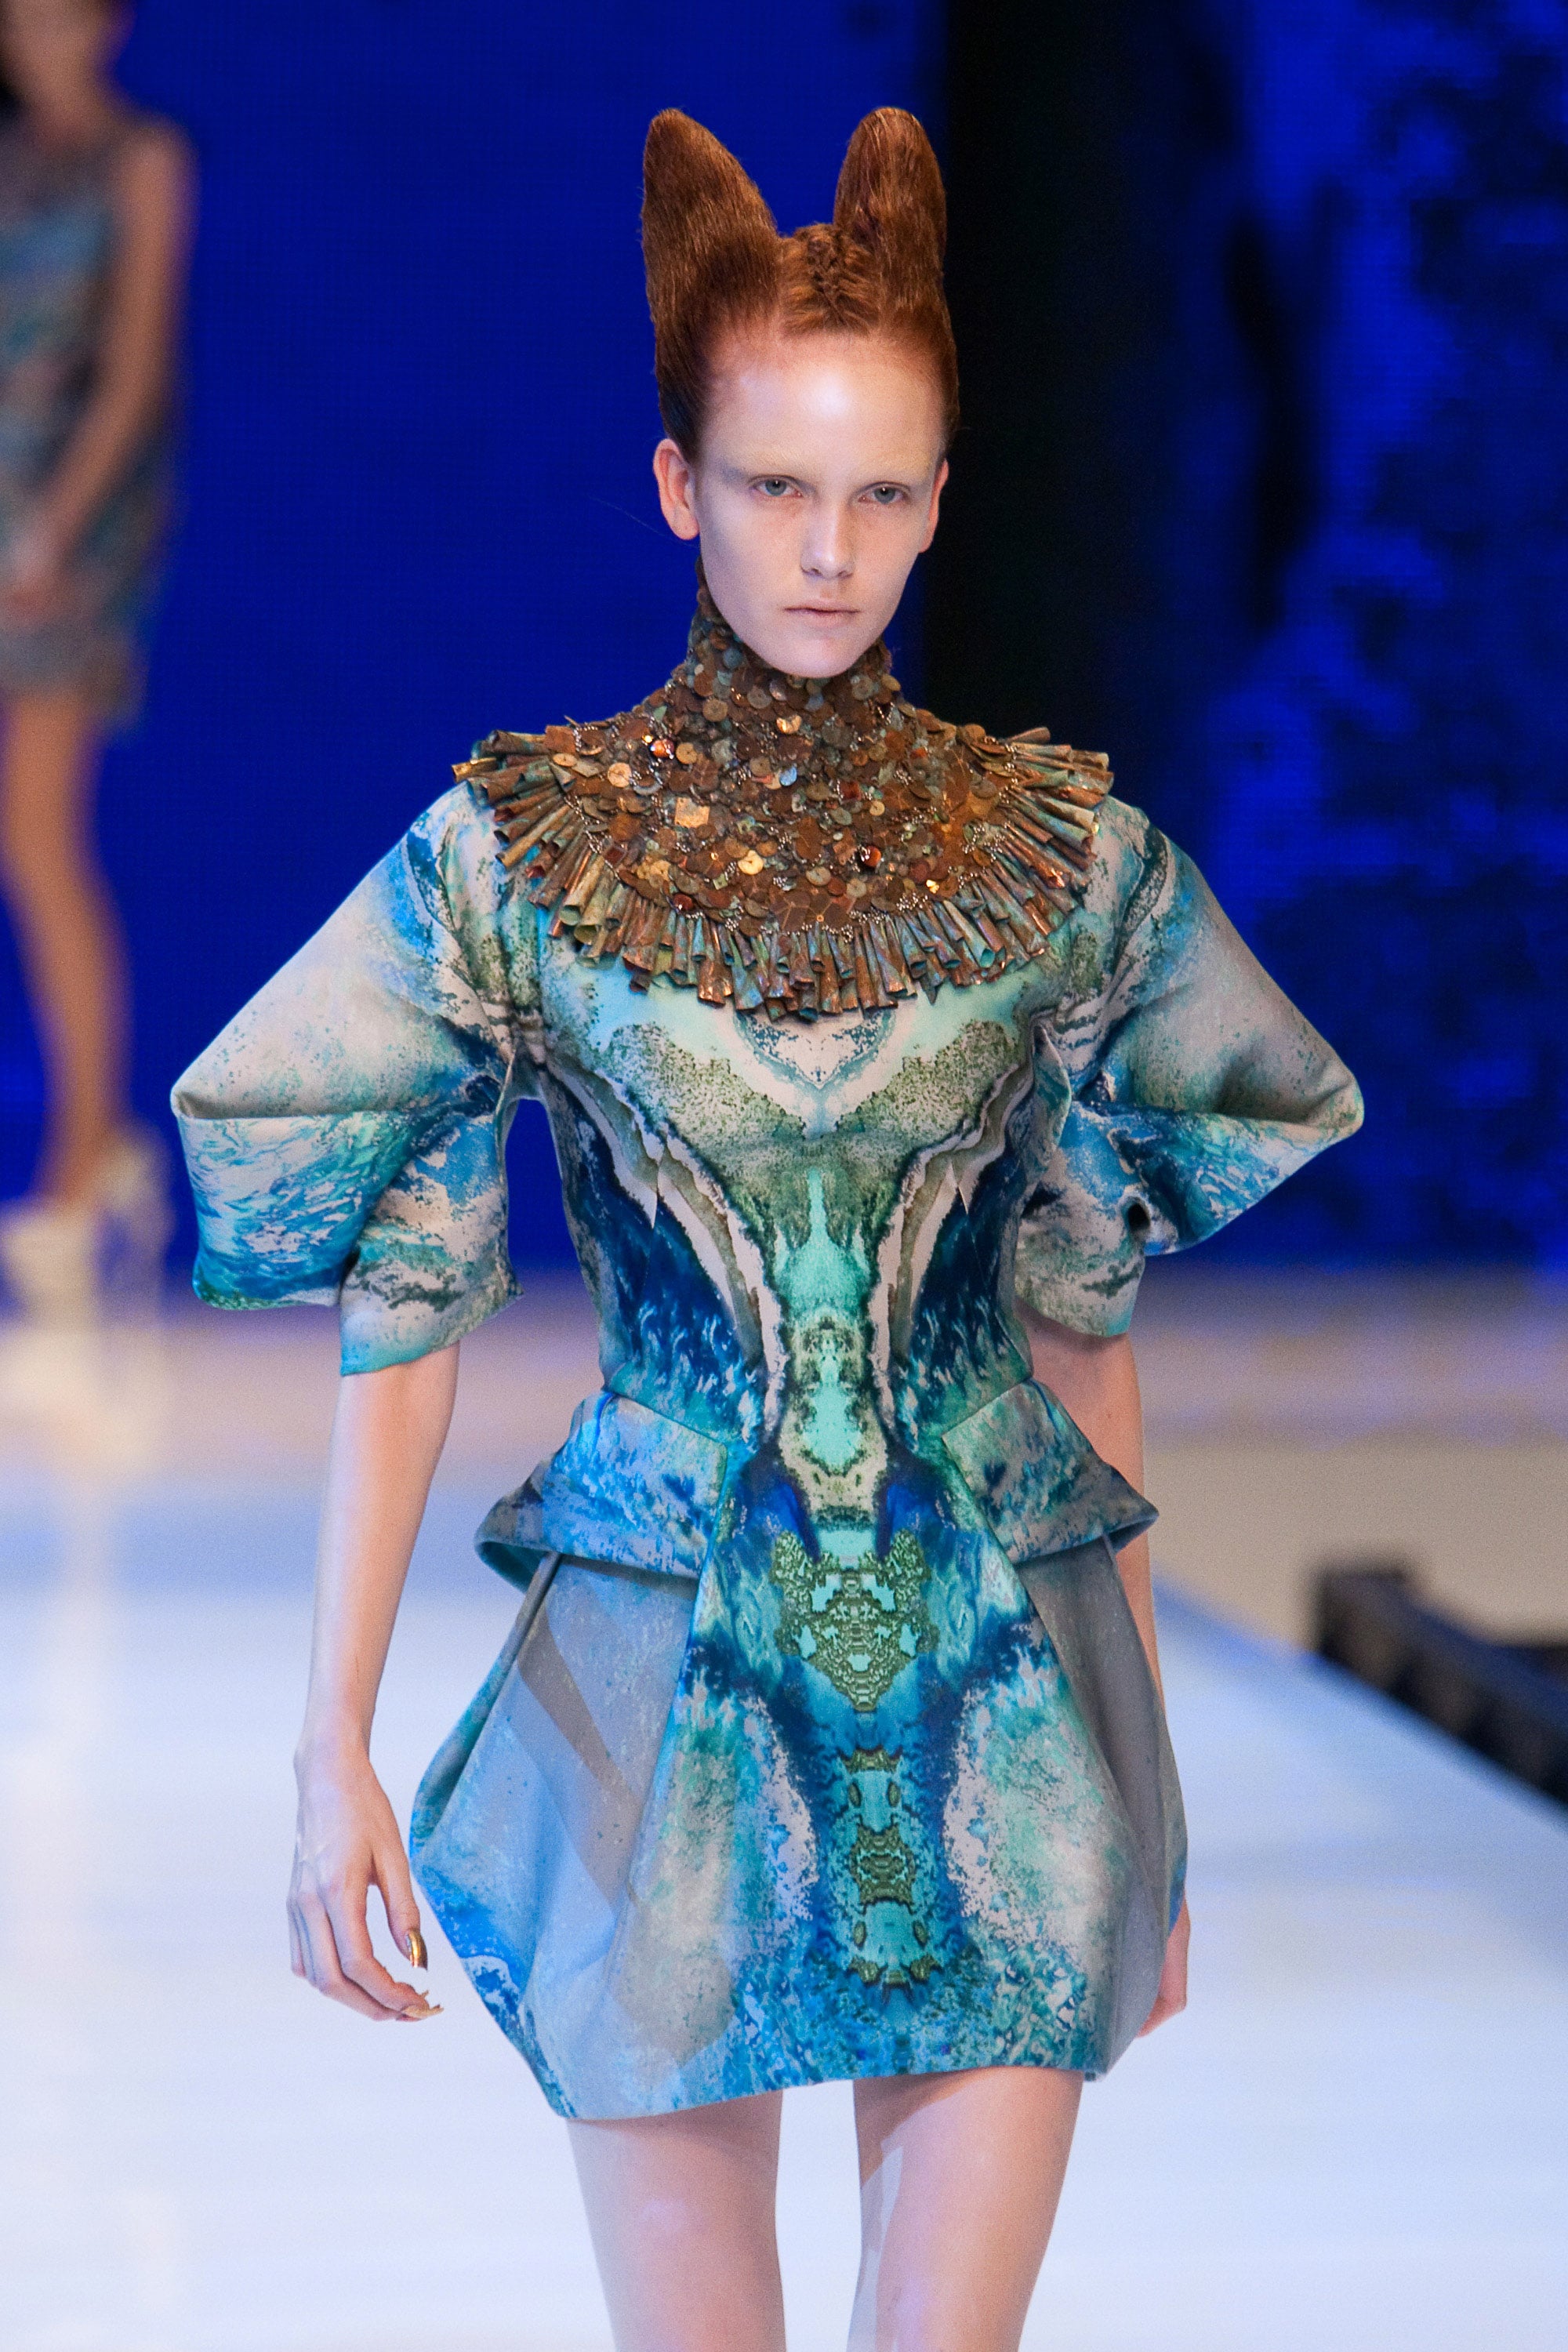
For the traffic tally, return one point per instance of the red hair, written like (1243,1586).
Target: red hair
(717,263)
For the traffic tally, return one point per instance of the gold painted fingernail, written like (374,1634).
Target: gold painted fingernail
(417,1959)
(418,2016)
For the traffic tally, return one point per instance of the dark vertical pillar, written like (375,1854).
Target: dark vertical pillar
(1038,528)
(1081,136)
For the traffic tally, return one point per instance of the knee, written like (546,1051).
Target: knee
(18,855)
(39,858)
(23,875)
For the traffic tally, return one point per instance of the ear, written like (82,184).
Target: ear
(676,478)
(936,490)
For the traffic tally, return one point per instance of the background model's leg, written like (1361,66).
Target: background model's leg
(960,2175)
(681,2212)
(68,931)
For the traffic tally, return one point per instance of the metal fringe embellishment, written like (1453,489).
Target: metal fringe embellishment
(793,846)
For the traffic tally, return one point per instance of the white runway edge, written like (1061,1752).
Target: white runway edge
(1354,2139)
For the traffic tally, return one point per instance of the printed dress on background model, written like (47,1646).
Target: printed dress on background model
(825,1745)
(57,235)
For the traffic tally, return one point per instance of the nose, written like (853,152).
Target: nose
(828,553)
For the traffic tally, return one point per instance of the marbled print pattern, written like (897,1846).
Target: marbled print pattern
(823,1747)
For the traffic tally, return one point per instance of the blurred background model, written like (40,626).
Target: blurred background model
(94,202)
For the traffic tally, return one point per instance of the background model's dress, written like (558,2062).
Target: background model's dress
(824,1745)
(56,249)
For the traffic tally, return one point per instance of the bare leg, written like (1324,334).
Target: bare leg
(960,2175)
(67,930)
(681,2211)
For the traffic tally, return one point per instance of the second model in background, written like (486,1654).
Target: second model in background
(95,205)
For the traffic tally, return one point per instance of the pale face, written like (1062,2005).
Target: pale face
(56,51)
(815,487)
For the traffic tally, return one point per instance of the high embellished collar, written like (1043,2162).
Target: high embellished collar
(790,844)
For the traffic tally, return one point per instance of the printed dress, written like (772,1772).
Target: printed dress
(57,255)
(824,1745)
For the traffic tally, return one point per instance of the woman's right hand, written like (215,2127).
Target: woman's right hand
(348,1841)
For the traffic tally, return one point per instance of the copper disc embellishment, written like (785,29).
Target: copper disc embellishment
(793,845)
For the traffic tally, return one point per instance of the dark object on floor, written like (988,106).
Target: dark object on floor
(1506,1700)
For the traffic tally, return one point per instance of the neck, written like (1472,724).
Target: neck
(714,646)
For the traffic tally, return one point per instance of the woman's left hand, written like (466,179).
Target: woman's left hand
(34,586)
(1171,1997)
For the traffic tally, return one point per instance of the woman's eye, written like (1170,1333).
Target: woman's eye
(775,486)
(886,494)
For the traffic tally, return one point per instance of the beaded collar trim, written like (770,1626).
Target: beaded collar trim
(793,846)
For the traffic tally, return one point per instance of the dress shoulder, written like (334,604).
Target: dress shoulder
(452,852)
(1188,1085)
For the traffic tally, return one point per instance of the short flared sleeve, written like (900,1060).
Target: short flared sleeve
(1191,1086)
(345,1134)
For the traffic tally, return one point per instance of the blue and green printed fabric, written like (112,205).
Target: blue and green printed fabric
(824,1745)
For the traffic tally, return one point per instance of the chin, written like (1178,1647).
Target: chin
(800,650)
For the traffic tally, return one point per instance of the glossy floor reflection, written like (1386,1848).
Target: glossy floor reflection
(1352,2139)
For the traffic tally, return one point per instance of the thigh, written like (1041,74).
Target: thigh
(681,2210)
(960,2175)
(46,767)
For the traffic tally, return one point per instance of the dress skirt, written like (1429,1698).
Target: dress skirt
(670,1887)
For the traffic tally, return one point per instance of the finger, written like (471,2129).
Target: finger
(317,1948)
(296,1947)
(351,1936)
(324,1970)
(397,1890)
(402,1918)
(306,1931)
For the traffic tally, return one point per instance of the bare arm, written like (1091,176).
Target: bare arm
(154,203)
(387,1436)
(1097,1381)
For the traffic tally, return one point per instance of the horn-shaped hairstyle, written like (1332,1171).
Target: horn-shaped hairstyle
(716,262)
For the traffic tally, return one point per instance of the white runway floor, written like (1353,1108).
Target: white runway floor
(1356,2138)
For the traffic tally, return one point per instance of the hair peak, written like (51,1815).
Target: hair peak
(716,262)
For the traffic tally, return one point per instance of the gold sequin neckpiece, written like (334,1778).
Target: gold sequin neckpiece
(789,844)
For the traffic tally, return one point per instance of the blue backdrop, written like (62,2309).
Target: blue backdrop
(1350,670)
(1315,602)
